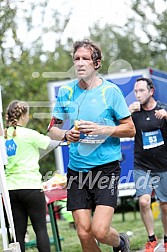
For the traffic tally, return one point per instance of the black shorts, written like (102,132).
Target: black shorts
(99,186)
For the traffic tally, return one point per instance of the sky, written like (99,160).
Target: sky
(104,11)
(83,15)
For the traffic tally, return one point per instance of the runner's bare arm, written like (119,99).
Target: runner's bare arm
(126,128)
(55,130)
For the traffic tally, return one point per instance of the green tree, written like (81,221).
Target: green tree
(153,24)
(22,64)
(22,68)
(141,49)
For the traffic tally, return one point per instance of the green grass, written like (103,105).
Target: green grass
(70,242)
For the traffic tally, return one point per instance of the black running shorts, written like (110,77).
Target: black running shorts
(99,186)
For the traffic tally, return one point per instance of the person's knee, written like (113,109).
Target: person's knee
(144,202)
(83,233)
(100,233)
(163,206)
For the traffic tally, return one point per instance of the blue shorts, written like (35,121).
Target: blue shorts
(147,181)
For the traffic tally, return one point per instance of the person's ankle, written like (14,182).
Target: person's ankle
(152,238)
(116,249)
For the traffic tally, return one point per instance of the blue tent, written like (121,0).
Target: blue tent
(125,81)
